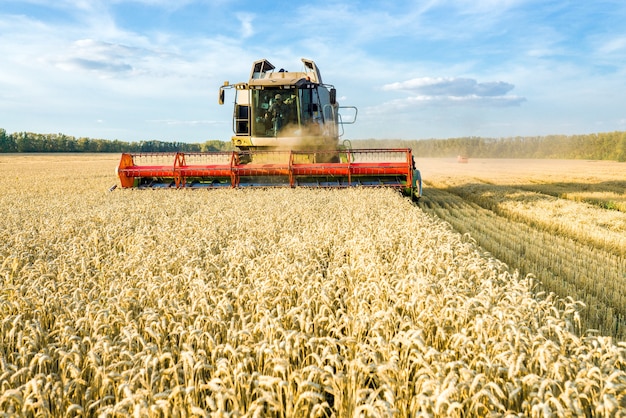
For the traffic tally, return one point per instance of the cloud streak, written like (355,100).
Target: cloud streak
(101,57)
(453,91)
(247,30)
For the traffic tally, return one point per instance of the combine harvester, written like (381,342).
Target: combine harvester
(286,127)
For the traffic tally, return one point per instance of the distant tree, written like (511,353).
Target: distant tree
(620,154)
(216,145)
(7,143)
(24,143)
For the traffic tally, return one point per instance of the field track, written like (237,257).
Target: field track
(306,303)
(562,221)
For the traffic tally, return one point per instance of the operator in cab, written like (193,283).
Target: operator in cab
(277,115)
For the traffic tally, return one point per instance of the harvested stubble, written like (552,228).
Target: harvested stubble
(562,265)
(275,302)
(583,222)
(510,208)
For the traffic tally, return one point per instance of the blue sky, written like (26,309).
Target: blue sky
(151,69)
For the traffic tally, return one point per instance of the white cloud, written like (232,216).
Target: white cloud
(450,91)
(614,45)
(486,6)
(102,57)
(247,30)
(408,104)
(451,86)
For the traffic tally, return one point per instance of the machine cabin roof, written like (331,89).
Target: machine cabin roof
(263,75)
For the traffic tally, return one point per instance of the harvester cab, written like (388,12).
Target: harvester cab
(286,110)
(286,130)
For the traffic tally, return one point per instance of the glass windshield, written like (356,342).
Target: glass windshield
(274,110)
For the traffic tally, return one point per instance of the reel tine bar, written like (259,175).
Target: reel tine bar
(342,168)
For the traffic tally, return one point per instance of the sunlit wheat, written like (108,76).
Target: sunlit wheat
(274,302)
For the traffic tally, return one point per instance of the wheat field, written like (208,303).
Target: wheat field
(278,302)
(531,215)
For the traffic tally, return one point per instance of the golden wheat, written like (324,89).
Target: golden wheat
(522,211)
(271,302)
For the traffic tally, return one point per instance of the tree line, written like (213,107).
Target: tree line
(33,142)
(597,146)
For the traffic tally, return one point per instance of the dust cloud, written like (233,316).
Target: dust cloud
(312,137)
(320,140)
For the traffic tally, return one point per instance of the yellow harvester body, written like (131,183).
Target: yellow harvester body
(286,129)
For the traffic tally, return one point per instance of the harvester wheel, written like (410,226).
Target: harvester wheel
(417,186)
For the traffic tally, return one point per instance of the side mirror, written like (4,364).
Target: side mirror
(333,96)
(220,97)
